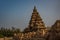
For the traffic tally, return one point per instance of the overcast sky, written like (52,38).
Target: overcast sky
(17,13)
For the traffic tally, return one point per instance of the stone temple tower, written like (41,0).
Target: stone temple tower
(36,24)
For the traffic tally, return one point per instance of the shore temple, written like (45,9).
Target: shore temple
(36,29)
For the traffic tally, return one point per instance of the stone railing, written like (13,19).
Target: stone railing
(29,39)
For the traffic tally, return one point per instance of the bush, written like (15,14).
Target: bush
(1,36)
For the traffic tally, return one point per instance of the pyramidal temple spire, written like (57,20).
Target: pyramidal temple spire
(36,24)
(34,10)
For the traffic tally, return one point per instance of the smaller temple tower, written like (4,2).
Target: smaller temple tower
(56,26)
(54,32)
